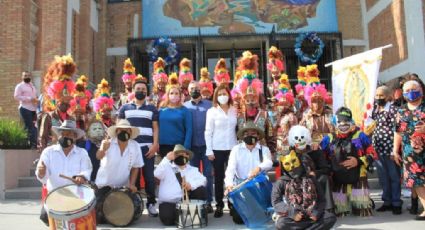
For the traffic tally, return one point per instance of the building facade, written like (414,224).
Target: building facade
(100,34)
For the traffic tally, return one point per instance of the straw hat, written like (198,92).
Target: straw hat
(250,126)
(181,149)
(68,125)
(123,124)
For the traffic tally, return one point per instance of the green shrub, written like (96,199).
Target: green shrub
(12,135)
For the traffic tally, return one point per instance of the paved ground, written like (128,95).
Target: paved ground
(23,214)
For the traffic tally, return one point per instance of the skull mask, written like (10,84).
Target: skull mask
(299,137)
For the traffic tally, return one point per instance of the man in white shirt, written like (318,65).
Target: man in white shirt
(120,160)
(174,173)
(64,158)
(246,160)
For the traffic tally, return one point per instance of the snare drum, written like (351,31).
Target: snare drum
(121,207)
(192,214)
(252,201)
(71,207)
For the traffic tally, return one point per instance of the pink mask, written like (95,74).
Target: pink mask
(174,99)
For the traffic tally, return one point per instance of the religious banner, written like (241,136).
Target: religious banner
(354,81)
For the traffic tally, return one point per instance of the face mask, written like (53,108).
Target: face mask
(291,164)
(140,95)
(96,131)
(123,136)
(63,107)
(250,140)
(412,95)
(174,99)
(223,99)
(195,94)
(381,101)
(251,112)
(27,80)
(65,142)
(181,160)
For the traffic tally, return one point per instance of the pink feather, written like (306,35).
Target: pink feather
(257,84)
(160,76)
(100,103)
(299,88)
(185,77)
(222,78)
(128,77)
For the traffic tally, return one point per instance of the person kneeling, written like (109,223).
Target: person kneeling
(174,173)
(298,198)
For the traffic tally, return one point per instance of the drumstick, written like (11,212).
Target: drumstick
(185,190)
(68,178)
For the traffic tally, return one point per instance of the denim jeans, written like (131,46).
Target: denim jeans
(147,170)
(29,117)
(198,156)
(390,180)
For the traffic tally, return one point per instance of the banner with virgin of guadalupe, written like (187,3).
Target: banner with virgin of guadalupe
(354,81)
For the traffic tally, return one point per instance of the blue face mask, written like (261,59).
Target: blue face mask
(412,95)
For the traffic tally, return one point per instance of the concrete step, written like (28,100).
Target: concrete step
(23,193)
(374,183)
(30,181)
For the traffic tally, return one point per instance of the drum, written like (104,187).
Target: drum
(121,207)
(71,207)
(192,214)
(252,201)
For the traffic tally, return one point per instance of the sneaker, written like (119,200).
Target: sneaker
(152,210)
(209,208)
(218,212)
(397,210)
(385,208)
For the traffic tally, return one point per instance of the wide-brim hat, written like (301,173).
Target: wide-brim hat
(68,125)
(250,126)
(181,149)
(123,124)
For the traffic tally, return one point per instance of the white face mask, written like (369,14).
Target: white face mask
(223,99)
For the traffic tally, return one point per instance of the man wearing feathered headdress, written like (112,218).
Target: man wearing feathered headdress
(206,84)
(103,104)
(185,77)
(79,105)
(318,117)
(276,66)
(248,91)
(301,104)
(221,74)
(128,79)
(57,95)
(160,80)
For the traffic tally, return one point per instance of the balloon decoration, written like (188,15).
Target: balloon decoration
(153,49)
(313,38)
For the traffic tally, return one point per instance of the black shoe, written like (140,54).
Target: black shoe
(209,208)
(218,212)
(421,218)
(397,210)
(414,208)
(385,208)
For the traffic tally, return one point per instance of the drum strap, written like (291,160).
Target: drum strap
(260,153)
(179,177)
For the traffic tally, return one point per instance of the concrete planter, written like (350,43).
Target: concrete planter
(14,163)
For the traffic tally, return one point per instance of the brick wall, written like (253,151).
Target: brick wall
(370,3)
(349,19)
(389,27)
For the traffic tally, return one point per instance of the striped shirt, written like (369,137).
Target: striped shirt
(142,118)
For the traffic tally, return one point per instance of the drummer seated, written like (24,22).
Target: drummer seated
(246,160)
(298,199)
(175,175)
(120,159)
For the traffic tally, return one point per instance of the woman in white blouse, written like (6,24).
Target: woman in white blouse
(220,137)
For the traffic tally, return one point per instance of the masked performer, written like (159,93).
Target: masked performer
(206,84)
(318,118)
(350,152)
(221,74)
(160,80)
(276,66)
(185,77)
(301,104)
(103,104)
(128,80)
(80,103)
(96,132)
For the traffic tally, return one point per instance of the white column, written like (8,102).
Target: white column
(71,5)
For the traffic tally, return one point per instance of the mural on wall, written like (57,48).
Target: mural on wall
(186,17)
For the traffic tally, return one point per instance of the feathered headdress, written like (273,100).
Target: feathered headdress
(312,75)
(314,90)
(248,83)
(302,80)
(285,92)
(140,78)
(83,80)
(275,60)
(80,98)
(129,71)
(103,101)
(159,74)
(184,73)
(221,74)
(66,67)
(60,90)
(173,81)
(205,82)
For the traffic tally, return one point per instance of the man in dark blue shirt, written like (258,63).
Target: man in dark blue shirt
(145,117)
(199,107)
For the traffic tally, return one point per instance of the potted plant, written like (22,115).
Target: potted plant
(13,135)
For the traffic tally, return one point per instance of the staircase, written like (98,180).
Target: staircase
(28,188)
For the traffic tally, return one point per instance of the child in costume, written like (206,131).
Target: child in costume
(221,74)
(127,78)
(160,80)
(298,198)
(350,152)
(185,77)
(206,84)
(103,104)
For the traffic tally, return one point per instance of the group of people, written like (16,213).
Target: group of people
(209,135)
